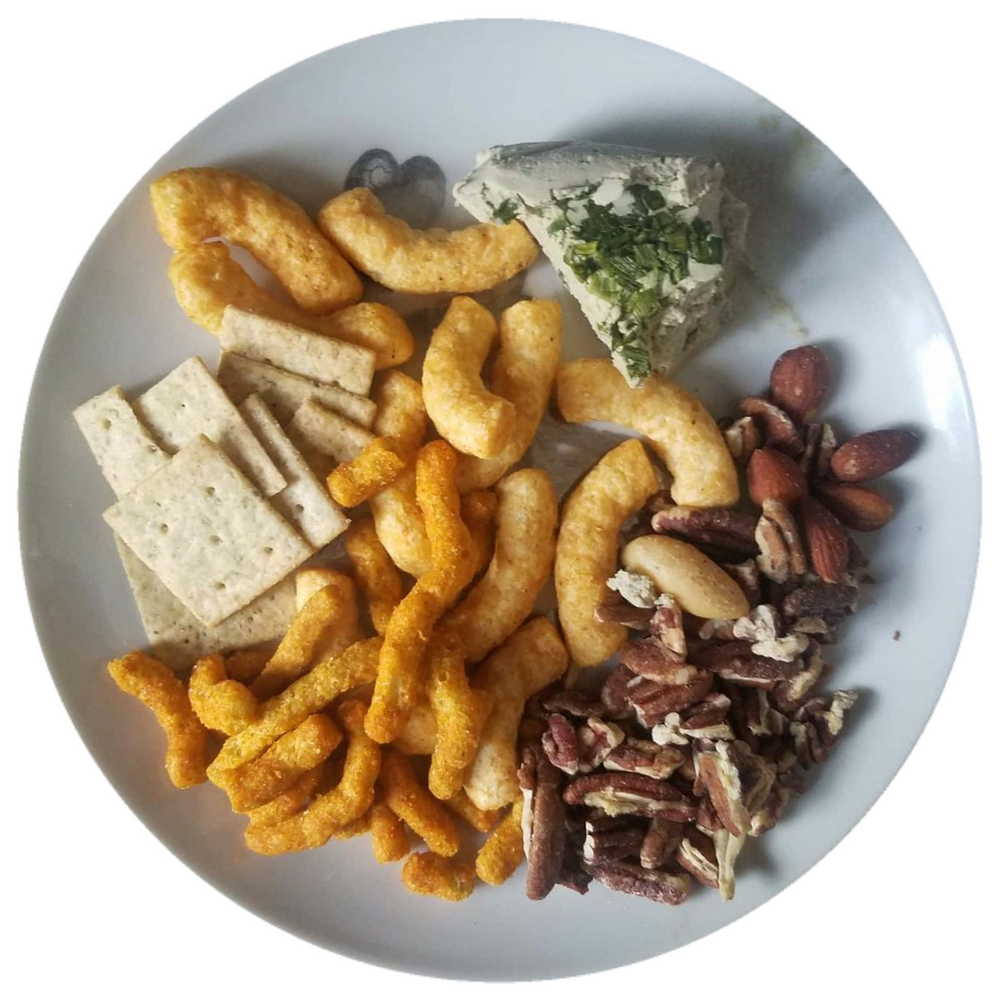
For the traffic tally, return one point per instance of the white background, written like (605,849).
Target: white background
(94,92)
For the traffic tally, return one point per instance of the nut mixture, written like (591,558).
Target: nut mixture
(706,727)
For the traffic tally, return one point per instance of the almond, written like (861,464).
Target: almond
(773,475)
(826,541)
(799,380)
(873,454)
(857,507)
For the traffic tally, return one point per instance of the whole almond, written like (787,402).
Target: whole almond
(799,380)
(826,541)
(871,455)
(773,475)
(857,507)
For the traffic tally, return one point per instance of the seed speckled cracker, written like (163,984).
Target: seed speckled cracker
(284,392)
(305,502)
(123,447)
(189,402)
(299,351)
(326,439)
(202,528)
(178,639)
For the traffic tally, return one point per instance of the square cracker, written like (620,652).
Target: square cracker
(189,402)
(123,447)
(284,392)
(305,502)
(203,529)
(178,639)
(299,351)
(326,439)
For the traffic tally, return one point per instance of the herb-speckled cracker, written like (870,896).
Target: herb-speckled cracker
(305,501)
(299,351)
(123,447)
(213,540)
(189,402)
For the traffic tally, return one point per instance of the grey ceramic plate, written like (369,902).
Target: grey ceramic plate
(845,275)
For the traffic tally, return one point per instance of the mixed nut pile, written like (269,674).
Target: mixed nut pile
(700,734)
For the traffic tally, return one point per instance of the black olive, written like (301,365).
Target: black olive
(418,192)
(374,169)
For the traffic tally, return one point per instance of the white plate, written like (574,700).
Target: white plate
(448,90)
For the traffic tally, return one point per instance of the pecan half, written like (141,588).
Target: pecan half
(779,429)
(667,626)
(770,811)
(696,854)
(560,743)
(763,628)
(648,658)
(644,757)
(620,793)
(741,437)
(663,887)
(653,701)
(820,444)
(596,739)
(543,820)
(614,693)
(614,844)
(727,530)
(789,694)
(613,609)
(708,719)
(707,819)
(662,839)
(830,602)
(747,575)
(668,732)
(782,555)
(734,661)
(572,702)
(719,774)
(761,718)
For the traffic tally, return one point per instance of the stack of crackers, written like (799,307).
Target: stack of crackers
(219,480)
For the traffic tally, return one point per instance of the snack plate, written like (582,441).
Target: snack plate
(831,264)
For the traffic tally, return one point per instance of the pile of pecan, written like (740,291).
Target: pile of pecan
(702,732)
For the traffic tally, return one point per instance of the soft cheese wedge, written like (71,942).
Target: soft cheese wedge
(645,242)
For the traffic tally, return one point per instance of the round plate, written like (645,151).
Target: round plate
(831,264)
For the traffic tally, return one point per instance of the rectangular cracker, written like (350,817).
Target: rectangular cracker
(202,528)
(284,392)
(299,351)
(189,402)
(305,502)
(325,439)
(123,447)
(178,639)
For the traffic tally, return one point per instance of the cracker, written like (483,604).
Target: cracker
(123,447)
(299,351)
(305,502)
(284,392)
(324,438)
(212,539)
(189,402)
(178,639)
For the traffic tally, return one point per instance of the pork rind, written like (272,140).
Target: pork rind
(615,489)
(531,659)
(429,874)
(423,261)
(452,566)
(523,554)
(475,421)
(158,688)
(196,204)
(389,839)
(677,426)
(523,373)
(206,279)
